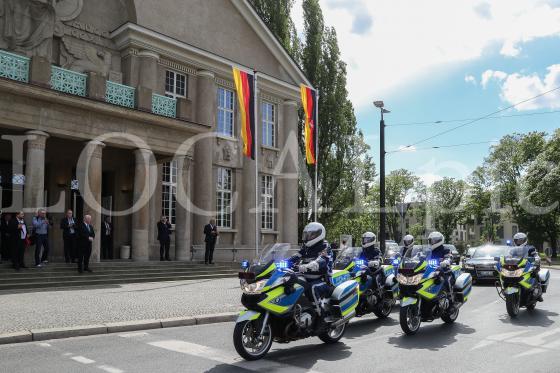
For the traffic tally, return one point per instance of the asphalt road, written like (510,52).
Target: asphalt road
(484,339)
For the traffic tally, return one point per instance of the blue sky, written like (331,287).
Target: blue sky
(442,61)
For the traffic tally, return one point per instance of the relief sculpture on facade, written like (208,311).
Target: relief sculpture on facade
(28,26)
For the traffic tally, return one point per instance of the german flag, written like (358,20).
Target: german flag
(244,84)
(309,101)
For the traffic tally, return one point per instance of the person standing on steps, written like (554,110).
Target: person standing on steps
(107,238)
(86,235)
(164,238)
(19,234)
(210,236)
(68,226)
(6,238)
(41,227)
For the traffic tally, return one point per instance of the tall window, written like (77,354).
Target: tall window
(226,112)
(223,198)
(169,190)
(267,202)
(268,123)
(175,84)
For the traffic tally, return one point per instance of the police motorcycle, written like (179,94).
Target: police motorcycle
(424,292)
(278,310)
(377,289)
(521,280)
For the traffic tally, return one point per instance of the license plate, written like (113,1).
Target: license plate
(486,273)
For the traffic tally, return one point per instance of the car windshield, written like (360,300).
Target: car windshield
(516,252)
(276,252)
(489,251)
(418,251)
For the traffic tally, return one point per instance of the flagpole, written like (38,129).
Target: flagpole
(256,101)
(315,201)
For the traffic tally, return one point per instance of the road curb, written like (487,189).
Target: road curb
(114,327)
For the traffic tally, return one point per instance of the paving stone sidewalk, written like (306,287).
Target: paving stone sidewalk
(89,306)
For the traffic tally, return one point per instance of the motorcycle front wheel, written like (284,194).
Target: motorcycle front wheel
(512,304)
(410,319)
(247,341)
(333,335)
(385,309)
(449,318)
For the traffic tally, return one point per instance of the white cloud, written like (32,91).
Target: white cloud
(428,178)
(470,79)
(412,38)
(491,74)
(517,87)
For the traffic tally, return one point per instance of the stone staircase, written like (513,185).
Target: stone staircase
(61,275)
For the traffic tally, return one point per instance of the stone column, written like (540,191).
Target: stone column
(289,224)
(148,77)
(183,217)
(204,191)
(92,200)
(144,165)
(34,192)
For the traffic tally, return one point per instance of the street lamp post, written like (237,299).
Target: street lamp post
(382,153)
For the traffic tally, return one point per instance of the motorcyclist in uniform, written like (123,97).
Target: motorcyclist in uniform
(408,244)
(520,244)
(316,263)
(444,256)
(372,255)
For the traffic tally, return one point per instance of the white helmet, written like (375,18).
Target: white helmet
(408,241)
(435,240)
(368,239)
(313,233)
(520,239)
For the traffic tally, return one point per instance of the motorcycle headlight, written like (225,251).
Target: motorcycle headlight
(516,273)
(253,288)
(412,280)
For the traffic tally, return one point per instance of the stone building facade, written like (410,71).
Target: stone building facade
(101,100)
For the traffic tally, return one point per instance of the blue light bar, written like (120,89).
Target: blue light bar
(245,264)
(360,262)
(433,263)
(283,264)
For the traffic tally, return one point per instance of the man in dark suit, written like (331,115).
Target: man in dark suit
(6,238)
(164,238)
(210,236)
(107,238)
(86,234)
(19,233)
(68,226)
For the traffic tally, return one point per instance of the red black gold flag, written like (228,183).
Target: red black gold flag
(309,101)
(244,84)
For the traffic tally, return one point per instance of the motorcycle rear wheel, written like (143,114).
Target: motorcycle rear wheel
(410,319)
(450,318)
(512,304)
(333,335)
(246,343)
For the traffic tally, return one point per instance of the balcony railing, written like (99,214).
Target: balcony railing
(14,66)
(163,105)
(120,94)
(68,81)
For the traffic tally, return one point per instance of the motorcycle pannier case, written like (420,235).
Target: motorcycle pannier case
(544,277)
(463,286)
(344,298)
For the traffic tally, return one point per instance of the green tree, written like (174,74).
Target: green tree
(399,185)
(276,15)
(445,198)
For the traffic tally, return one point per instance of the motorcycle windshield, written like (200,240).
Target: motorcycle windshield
(418,252)
(517,252)
(392,253)
(278,252)
(346,256)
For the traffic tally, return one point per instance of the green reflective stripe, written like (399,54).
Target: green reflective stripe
(350,266)
(270,297)
(424,265)
(522,263)
(525,281)
(271,268)
(503,260)
(423,291)
(340,273)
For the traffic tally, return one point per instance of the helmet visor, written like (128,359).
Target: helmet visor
(309,235)
(366,240)
(408,242)
(520,241)
(435,240)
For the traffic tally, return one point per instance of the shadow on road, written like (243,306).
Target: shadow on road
(307,356)
(432,337)
(366,326)
(537,317)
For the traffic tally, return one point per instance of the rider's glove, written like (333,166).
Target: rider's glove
(445,264)
(373,264)
(309,267)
